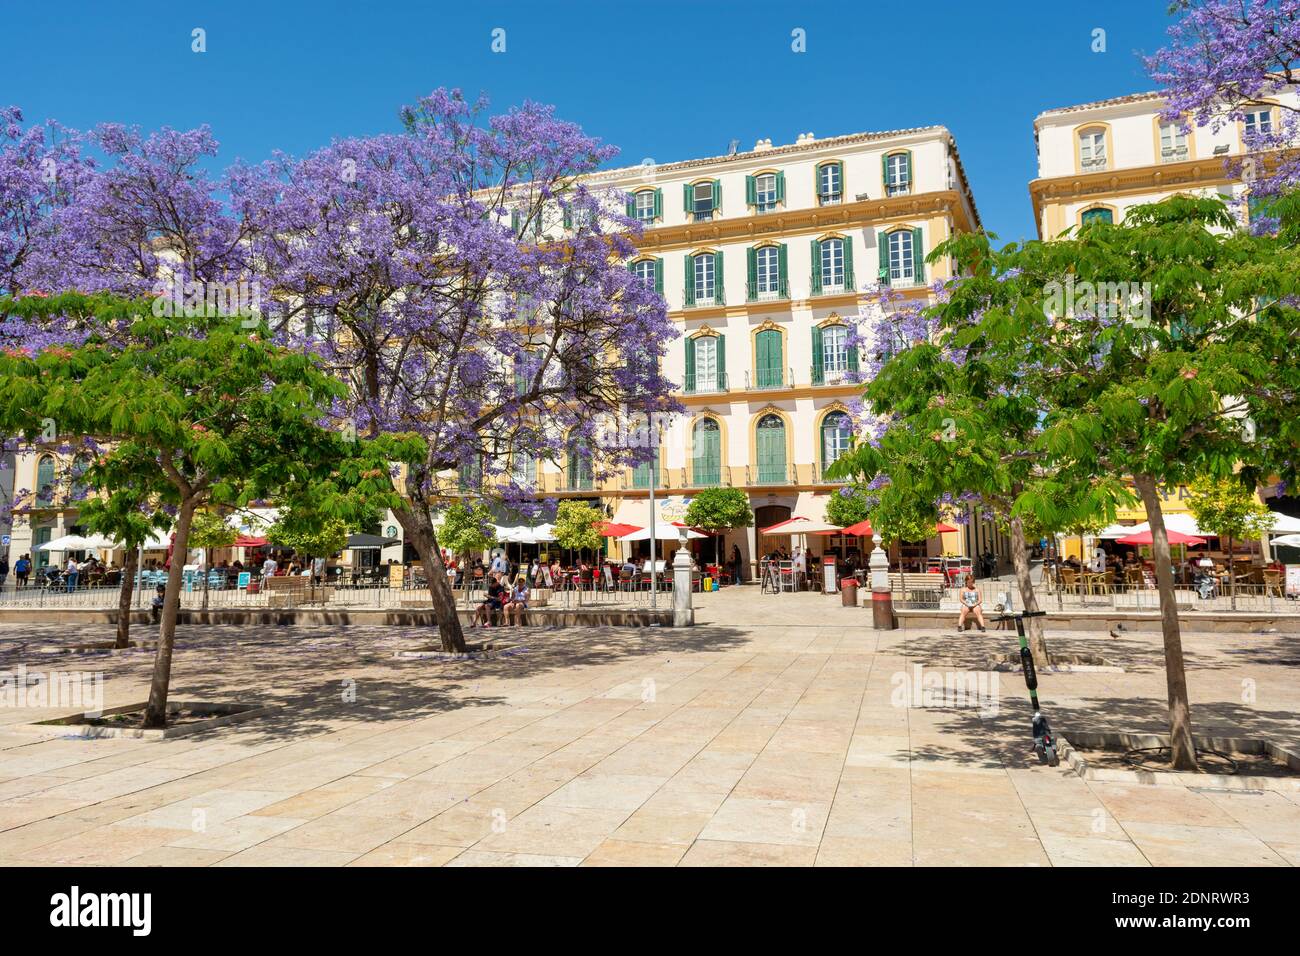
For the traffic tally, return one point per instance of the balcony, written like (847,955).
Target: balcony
(706,475)
(766,379)
(829,199)
(845,283)
(767,292)
(771,473)
(1173,154)
(825,376)
(692,300)
(713,385)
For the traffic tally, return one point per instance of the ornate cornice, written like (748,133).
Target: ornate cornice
(774,225)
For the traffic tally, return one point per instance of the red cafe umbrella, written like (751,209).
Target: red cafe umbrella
(941,527)
(1175,537)
(862,529)
(613,529)
(248,541)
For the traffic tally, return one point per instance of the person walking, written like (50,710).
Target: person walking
(736,577)
(73,571)
(22,570)
(4,570)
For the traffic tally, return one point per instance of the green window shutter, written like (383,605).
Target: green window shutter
(514,221)
(722,363)
(568,218)
(816,267)
(781,272)
(769,363)
(751,273)
(750,191)
(884,174)
(689,293)
(717,194)
(882,247)
(719,287)
(659,203)
(918,256)
(771,454)
(852,349)
(690,365)
(844,186)
(780,186)
(818,366)
(659,276)
(631,207)
(907,170)
(848,263)
(688,195)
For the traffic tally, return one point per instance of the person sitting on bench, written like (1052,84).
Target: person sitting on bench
(971,600)
(517,601)
(156,605)
(492,604)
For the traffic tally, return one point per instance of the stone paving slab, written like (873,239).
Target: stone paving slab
(780,731)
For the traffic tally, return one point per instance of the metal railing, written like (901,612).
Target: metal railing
(708,386)
(769,378)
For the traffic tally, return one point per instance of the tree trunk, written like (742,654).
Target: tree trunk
(205,578)
(131,564)
(1182,750)
(1020,562)
(420,533)
(1232,574)
(155,712)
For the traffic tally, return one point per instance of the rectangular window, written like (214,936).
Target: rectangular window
(832,264)
(767,271)
(1092,150)
(1173,143)
(706,364)
(704,279)
(899,178)
(1259,122)
(702,197)
(645,206)
(835,353)
(900,257)
(644,270)
(829,187)
(765,192)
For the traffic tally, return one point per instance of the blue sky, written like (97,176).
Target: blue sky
(665,80)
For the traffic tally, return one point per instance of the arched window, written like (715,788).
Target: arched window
(898,174)
(902,257)
(580,467)
(706,445)
(45,480)
(770,445)
(837,437)
(832,263)
(649,272)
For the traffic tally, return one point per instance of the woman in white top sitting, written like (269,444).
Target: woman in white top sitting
(971,604)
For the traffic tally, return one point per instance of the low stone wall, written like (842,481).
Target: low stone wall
(407,617)
(1105,621)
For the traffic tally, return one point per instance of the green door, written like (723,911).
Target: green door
(707,460)
(771,450)
(769,359)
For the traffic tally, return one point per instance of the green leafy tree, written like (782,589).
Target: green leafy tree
(1147,345)
(198,412)
(1231,510)
(848,509)
(466,528)
(717,510)
(577,525)
(311,535)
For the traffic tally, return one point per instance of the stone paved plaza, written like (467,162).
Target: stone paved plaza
(770,734)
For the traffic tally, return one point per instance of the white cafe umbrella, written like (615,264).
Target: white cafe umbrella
(662,532)
(75,542)
(1284,524)
(1288,541)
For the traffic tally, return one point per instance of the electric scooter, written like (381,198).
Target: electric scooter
(1044,742)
